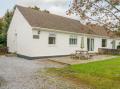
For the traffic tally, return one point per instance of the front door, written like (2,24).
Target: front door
(90,44)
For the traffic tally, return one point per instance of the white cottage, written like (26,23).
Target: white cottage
(34,34)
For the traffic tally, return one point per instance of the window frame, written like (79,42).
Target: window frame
(90,44)
(52,35)
(114,44)
(73,40)
(105,42)
(36,37)
(36,34)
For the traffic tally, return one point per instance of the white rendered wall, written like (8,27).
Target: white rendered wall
(22,42)
(41,47)
(62,47)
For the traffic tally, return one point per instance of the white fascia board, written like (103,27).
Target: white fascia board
(83,34)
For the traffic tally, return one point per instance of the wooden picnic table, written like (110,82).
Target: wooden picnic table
(81,51)
(80,54)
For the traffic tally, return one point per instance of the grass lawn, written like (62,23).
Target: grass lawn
(98,75)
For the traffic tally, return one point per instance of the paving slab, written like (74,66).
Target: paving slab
(71,61)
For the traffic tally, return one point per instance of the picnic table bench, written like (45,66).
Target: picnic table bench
(80,54)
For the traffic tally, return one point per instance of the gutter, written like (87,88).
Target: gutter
(82,34)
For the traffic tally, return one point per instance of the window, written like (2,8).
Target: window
(113,44)
(52,39)
(104,43)
(73,40)
(90,44)
(35,36)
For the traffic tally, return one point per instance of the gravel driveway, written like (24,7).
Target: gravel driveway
(18,73)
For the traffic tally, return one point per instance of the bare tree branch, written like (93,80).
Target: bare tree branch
(93,9)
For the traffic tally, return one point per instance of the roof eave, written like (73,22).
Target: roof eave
(83,34)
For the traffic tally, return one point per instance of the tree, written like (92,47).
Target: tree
(1,25)
(36,8)
(2,37)
(103,12)
(7,19)
(5,25)
(46,11)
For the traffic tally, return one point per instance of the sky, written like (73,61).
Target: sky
(58,7)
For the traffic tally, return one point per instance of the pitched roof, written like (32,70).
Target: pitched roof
(101,30)
(47,20)
(98,29)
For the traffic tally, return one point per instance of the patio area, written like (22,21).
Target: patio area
(70,61)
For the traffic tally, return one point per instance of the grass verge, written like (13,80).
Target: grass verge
(98,75)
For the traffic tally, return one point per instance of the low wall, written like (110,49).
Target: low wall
(109,51)
(3,50)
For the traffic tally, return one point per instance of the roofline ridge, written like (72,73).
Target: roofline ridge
(48,13)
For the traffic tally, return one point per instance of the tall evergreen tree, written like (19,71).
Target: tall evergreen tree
(1,25)
(6,22)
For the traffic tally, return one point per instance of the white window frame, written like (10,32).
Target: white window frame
(36,35)
(91,44)
(114,44)
(73,40)
(51,34)
(105,43)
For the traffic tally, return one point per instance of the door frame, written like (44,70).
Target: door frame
(90,44)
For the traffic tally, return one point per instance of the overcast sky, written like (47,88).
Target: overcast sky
(58,7)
